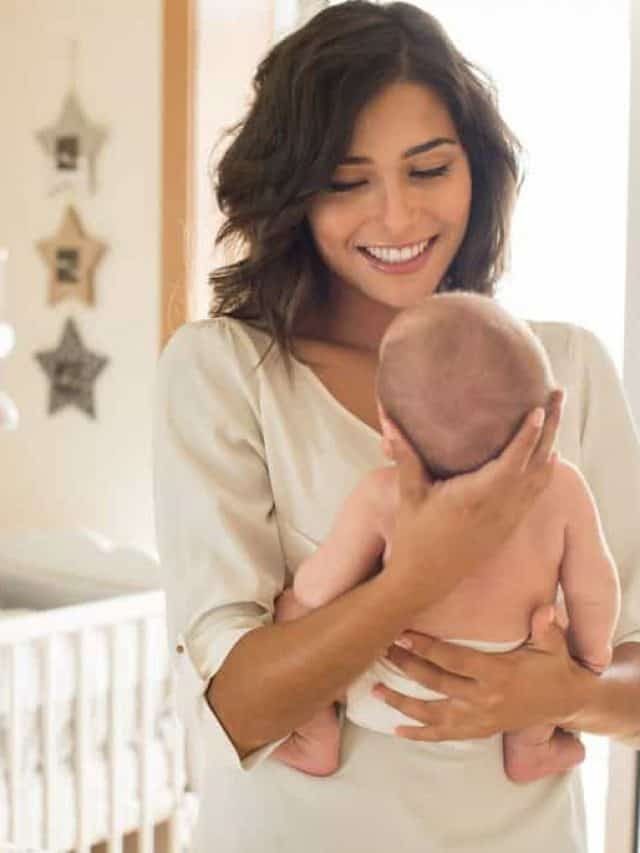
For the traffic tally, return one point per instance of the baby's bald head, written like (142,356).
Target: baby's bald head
(458,374)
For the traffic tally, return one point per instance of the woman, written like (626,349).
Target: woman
(371,171)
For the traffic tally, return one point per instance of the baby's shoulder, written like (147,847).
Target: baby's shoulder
(568,476)
(380,490)
(568,489)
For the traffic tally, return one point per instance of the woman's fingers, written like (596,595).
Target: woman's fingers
(433,677)
(530,451)
(542,452)
(440,718)
(413,478)
(450,657)
(421,710)
(517,454)
(534,440)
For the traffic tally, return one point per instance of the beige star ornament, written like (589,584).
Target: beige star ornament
(72,144)
(72,257)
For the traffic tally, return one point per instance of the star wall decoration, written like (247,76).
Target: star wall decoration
(72,370)
(72,257)
(71,144)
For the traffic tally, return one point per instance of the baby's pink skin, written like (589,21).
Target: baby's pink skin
(313,748)
(582,564)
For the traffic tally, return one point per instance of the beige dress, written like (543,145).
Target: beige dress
(249,472)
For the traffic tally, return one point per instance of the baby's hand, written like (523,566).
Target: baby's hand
(287,606)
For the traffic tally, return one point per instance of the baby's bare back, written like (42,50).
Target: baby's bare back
(495,602)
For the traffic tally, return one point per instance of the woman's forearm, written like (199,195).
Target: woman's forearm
(275,678)
(610,704)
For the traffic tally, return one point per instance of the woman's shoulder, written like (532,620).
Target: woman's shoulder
(215,359)
(580,361)
(554,333)
(566,342)
(216,340)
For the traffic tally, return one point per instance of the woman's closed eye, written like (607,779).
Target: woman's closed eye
(343,186)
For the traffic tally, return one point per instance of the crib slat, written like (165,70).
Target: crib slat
(82,744)
(115,744)
(15,747)
(76,626)
(145,838)
(48,742)
(177,764)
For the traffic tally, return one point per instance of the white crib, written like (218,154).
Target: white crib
(93,755)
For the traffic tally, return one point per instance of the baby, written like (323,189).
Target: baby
(458,374)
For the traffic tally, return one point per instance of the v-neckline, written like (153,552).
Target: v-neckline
(333,400)
(307,371)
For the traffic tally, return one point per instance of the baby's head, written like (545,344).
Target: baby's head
(458,374)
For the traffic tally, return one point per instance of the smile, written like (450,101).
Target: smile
(391,255)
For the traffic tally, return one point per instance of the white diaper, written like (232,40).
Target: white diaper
(366,710)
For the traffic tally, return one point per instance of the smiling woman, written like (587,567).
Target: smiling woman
(342,210)
(405,146)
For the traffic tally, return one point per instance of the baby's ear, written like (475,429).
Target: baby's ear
(385,429)
(551,399)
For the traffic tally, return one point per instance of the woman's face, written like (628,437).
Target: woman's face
(395,214)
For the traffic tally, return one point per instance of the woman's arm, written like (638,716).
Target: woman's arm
(610,704)
(245,680)
(278,677)
(540,683)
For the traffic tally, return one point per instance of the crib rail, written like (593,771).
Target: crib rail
(42,629)
(93,614)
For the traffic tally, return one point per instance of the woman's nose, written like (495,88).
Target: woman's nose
(397,208)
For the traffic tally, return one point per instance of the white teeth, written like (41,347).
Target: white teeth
(397,256)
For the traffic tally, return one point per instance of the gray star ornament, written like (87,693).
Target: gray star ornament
(72,144)
(72,370)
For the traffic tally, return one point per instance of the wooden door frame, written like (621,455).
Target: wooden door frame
(636,822)
(178,64)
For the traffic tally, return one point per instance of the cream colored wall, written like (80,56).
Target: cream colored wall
(632,312)
(231,39)
(623,766)
(65,469)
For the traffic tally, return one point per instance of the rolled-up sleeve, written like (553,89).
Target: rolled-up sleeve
(610,461)
(216,530)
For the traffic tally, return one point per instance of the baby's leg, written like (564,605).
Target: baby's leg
(313,748)
(539,751)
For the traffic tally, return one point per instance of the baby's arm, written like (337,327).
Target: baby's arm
(349,553)
(588,576)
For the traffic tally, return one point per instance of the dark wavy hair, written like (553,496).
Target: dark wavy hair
(308,91)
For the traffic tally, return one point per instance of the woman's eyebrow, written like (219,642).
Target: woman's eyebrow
(416,149)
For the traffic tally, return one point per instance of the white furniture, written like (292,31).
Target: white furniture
(91,749)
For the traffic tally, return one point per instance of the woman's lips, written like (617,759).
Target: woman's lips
(400,267)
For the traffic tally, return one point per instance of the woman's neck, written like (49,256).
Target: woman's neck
(350,318)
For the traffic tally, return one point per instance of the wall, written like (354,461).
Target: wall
(65,469)
(623,771)
(632,337)
(231,39)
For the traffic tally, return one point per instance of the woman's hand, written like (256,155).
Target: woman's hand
(490,693)
(445,529)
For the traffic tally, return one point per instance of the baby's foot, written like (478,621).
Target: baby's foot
(529,762)
(314,758)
